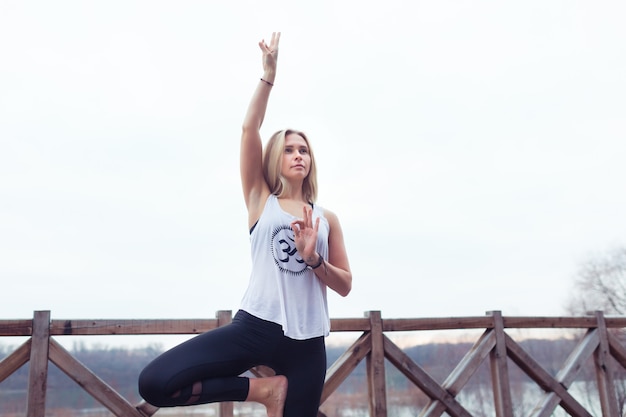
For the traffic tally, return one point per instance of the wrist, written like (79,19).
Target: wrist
(269,76)
(314,261)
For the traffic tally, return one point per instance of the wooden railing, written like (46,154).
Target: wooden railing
(494,345)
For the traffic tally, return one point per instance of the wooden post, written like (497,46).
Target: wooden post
(376,367)
(604,371)
(226,409)
(38,368)
(499,370)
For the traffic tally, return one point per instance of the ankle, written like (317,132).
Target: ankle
(270,392)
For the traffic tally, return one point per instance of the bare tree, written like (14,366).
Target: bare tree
(601,284)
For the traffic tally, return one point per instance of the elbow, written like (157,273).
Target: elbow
(346,288)
(250,125)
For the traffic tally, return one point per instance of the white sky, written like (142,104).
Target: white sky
(473,151)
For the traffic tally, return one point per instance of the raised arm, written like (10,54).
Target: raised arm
(255,189)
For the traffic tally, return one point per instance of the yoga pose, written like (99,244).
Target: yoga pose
(297,253)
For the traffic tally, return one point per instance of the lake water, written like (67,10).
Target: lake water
(479,402)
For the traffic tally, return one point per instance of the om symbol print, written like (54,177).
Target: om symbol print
(285,253)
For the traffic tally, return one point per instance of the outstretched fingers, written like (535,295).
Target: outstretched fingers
(273,46)
(275,41)
(307,221)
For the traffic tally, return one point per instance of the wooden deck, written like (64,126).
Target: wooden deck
(494,346)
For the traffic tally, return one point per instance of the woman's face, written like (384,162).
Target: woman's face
(296,162)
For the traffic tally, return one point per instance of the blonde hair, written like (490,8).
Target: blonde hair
(272,164)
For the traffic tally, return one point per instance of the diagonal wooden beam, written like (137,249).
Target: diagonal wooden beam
(543,378)
(470,363)
(148,409)
(15,360)
(422,379)
(575,361)
(345,364)
(463,371)
(572,366)
(98,389)
(617,350)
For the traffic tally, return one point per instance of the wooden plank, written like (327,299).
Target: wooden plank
(350,325)
(485,322)
(22,327)
(549,322)
(376,367)
(86,327)
(16,327)
(618,322)
(436,323)
(499,370)
(546,381)
(463,371)
(604,371)
(91,383)
(38,367)
(345,364)
(15,360)
(130,327)
(422,379)
(79,327)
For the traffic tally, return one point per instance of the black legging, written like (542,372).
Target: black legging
(218,357)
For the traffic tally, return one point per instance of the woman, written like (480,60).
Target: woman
(297,251)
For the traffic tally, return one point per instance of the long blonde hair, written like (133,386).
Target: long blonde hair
(272,164)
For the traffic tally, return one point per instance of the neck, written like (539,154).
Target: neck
(293,192)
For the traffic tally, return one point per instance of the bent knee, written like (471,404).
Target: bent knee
(152,388)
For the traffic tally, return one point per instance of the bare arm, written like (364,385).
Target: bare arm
(255,189)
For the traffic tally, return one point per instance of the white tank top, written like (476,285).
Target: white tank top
(281,288)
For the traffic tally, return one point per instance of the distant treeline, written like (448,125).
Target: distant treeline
(120,368)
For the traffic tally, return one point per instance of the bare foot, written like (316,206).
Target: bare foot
(271,392)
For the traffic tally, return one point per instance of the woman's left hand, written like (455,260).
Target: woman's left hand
(305,235)
(270,56)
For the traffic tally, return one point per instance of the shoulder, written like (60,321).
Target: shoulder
(331,217)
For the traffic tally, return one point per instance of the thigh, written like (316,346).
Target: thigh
(226,351)
(304,365)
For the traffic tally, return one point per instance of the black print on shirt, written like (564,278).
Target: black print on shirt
(285,253)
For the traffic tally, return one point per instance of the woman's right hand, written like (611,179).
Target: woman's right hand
(270,56)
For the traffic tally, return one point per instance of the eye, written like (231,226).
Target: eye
(304,150)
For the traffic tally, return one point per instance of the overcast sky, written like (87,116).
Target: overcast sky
(473,151)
